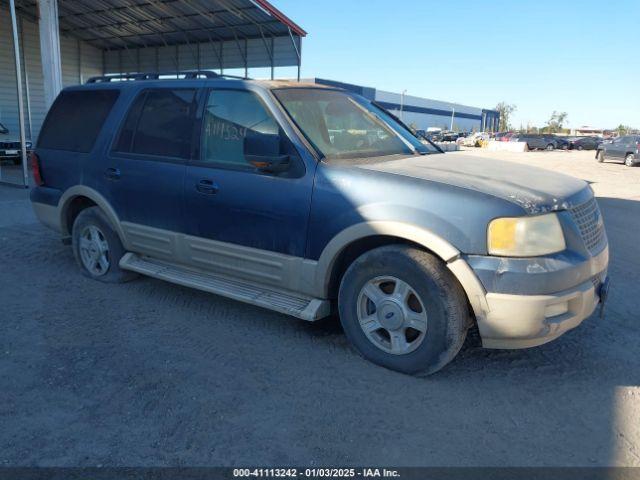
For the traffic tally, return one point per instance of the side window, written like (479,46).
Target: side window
(75,120)
(125,139)
(159,123)
(232,116)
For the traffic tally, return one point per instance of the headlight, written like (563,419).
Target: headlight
(525,236)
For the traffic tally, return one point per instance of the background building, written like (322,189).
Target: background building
(423,113)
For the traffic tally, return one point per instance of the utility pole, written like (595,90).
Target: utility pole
(453,114)
(402,105)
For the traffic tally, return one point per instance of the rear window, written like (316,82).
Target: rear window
(75,119)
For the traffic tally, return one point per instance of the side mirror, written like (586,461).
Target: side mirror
(262,150)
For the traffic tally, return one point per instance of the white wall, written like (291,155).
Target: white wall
(79,61)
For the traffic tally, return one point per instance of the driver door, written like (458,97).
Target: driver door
(233,202)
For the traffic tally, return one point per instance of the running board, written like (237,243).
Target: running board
(306,308)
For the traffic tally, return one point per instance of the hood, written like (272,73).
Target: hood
(534,189)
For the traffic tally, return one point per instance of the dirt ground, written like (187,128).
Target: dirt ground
(153,374)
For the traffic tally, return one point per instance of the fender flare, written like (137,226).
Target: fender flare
(449,254)
(83,191)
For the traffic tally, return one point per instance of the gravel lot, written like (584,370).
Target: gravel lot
(152,374)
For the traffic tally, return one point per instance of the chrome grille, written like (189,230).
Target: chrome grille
(589,221)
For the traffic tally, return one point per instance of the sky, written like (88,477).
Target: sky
(581,57)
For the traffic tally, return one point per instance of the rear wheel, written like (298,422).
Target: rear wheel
(401,308)
(580,147)
(629,160)
(97,247)
(549,147)
(600,156)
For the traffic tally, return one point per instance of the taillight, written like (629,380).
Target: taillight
(35,168)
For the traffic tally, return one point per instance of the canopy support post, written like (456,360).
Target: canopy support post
(16,51)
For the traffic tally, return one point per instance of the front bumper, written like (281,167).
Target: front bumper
(529,302)
(13,153)
(522,321)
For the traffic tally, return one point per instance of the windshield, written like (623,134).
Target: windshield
(341,125)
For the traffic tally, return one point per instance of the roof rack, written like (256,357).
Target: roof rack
(186,75)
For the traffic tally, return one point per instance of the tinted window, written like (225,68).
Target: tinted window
(125,139)
(75,119)
(159,123)
(230,117)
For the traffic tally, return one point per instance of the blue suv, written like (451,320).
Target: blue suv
(310,200)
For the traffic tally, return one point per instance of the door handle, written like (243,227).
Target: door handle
(112,173)
(207,187)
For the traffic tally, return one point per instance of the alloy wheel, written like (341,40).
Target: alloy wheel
(94,251)
(392,315)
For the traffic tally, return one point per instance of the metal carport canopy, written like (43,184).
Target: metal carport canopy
(156,35)
(186,33)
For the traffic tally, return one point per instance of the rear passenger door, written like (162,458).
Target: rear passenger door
(144,172)
(616,148)
(535,141)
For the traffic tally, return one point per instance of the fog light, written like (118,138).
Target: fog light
(556,309)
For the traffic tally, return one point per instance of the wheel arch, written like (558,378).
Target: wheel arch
(80,197)
(367,235)
(358,239)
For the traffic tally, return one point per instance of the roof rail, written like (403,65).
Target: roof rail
(186,75)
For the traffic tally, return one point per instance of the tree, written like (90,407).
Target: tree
(622,129)
(556,122)
(505,110)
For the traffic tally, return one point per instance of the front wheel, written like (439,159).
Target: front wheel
(549,147)
(629,160)
(401,308)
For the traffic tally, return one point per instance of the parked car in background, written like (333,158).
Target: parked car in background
(625,149)
(474,140)
(503,136)
(542,141)
(433,136)
(11,149)
(561,143)
(585,143)
(449,136)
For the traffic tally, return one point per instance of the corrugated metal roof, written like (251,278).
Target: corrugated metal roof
(120,24)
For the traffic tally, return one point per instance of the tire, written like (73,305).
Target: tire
(600,156)
(580,148)
(629,160)
(97,247)
(549,147)
(434,303)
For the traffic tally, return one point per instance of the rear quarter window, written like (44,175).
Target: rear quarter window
(75,120)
